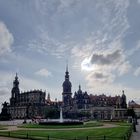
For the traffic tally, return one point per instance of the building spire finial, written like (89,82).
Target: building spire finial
(16,77)
(79,87)
(66,65)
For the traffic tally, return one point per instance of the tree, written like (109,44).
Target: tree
(52,112)
(131,112)
(4,116)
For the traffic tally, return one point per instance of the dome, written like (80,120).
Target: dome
(66,83)
(67,86)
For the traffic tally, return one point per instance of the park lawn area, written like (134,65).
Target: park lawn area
(120,123)
(2,127)
(71,134)
(86,124)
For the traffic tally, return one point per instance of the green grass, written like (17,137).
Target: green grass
(116,133)
(86,124)
(120,123)
(2,127)
(71,134)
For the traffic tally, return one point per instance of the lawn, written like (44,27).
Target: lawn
(110,133)
(2,127)
(120,123)
(88,131)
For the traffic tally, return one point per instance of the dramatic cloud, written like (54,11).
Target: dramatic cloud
(43,72)
(6,39)
(107,59)
(137,72)
(102,72)
(100,77)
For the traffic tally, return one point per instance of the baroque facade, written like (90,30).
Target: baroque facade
(96,106)
(26,104)
(32,104)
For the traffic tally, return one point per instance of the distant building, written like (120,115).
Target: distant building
(96,106)
(26,104)
(81,100)
(81,105)
(133,105)
(67,94)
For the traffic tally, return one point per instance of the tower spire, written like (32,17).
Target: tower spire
(66,65)
(15,90)
(67,68)
(16,82)
(16,77)
(79,87)
(67,73)
(66,94)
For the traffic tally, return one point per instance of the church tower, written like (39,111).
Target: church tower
(123,100)
(66,95)
(15,91)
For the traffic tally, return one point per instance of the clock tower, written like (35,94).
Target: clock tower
(66,95)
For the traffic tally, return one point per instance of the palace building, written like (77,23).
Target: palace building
(26,104)
(32,104)
(96,106)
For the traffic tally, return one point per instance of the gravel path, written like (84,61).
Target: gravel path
(6,138)
(14,128)
(136,135)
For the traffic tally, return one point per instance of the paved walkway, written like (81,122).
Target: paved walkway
(136,135)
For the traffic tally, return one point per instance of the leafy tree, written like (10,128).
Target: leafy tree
(131,112)
(52,112)
(4,114)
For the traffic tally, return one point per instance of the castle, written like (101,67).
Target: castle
(33,103)
(93,106)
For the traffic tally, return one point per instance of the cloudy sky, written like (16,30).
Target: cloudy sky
(100,39)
